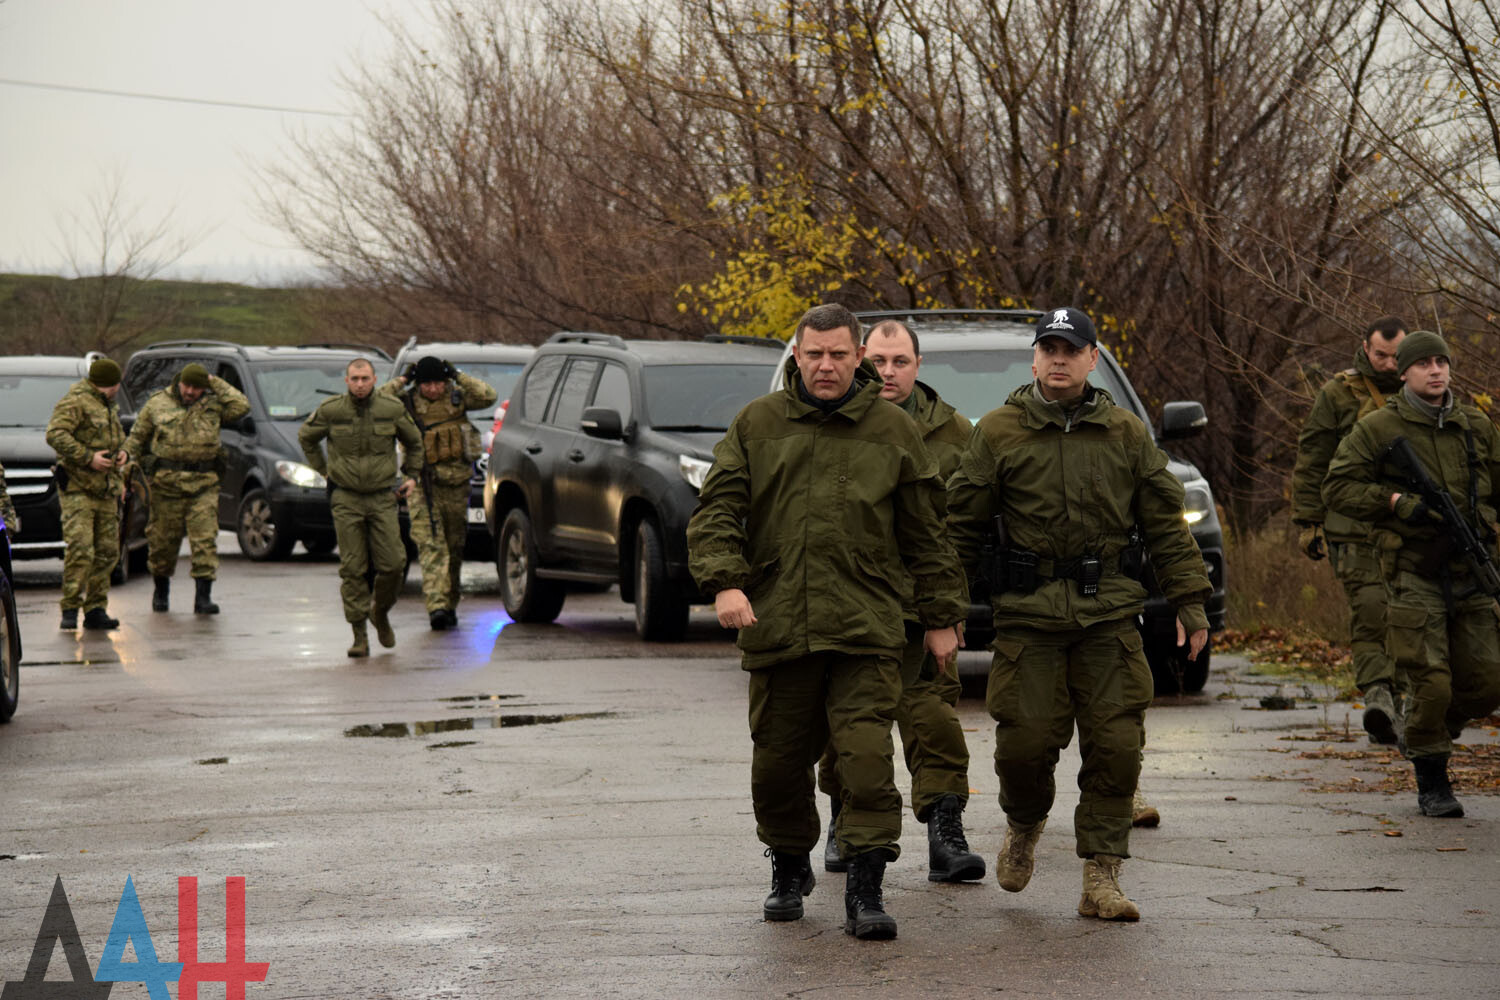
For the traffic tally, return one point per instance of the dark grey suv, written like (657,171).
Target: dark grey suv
(595,471)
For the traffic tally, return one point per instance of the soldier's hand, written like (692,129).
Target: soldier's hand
(733,609)
(101,461)
(1312,542)
(121,457)
(943,644)
(1194,643)
(404,490)
(1414,510)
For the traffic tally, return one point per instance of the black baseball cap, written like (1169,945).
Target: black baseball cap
(1072,325)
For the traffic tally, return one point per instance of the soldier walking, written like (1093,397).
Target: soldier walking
(439,505)
(932,738)
(362,428)
(90,444)
(1344,399)
(1440,624)
(175,440)
(1069,475)
(821,507)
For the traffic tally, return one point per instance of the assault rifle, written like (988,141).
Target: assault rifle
(1460,535)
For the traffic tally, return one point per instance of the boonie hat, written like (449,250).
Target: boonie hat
(430,369)
(1072,325)
(104,373)
(194,375)
(1420,344)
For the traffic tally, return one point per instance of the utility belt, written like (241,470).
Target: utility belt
(172,465)
(1023,571)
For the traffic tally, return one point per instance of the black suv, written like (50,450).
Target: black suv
(497,365)
(595,471)
(974,359)
(268,496)
(29,388)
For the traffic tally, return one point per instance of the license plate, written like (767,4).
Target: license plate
(476,515)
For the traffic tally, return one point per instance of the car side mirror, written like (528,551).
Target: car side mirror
(1182,419)
(603,423)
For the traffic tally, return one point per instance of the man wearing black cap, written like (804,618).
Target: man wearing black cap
(1069,475)
(1440,626)
(175,439)
(90,444)
(438,397)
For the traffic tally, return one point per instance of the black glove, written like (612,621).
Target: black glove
(449,372)
(1414,510)
(409,373)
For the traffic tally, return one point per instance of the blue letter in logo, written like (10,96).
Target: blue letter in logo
(129,927)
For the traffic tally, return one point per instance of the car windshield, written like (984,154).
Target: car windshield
(500,376)
(976,382)
(27,400)
(701,397)
(292,390)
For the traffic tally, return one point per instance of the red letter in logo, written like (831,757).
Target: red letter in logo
(234,972)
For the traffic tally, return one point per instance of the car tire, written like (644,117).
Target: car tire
(527,597)
(260,537)
(10,652)
(661,606)
(1172,672)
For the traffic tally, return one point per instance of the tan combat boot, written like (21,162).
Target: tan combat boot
(1143,813)
(1102,897)
(1018,855)
(361,644)
(383,630)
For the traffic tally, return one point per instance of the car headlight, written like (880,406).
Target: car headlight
(694,470)
(300,475)
(1198,502)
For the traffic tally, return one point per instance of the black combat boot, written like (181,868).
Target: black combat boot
(864,911)
(69,620)
(832,862)
(438,620)
(791,879)
(1434,794)
(948,856)
(202,603)
(159,596)
(99,620)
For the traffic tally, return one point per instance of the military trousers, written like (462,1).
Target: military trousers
(1041,684)
(932,739)
(439,535)
(1358,569)
(796,708)
(1450,656)
(91,534)
(369,539)
(176,514)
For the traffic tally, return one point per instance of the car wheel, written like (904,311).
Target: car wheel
(1172,672)
(10,653)
(661,607)
(527,597)
(259,535)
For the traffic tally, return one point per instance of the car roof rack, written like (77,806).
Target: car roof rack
(339,345)
(586,337)
(1017,315)
(194,342)
(736,338)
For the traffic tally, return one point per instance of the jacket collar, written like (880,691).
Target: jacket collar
(867,383)
(1038,413)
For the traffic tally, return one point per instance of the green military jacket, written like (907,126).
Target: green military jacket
(825,522)
(945,431)
(1359,484)
(169,432)
(362,436)
(1344,399)
(1070,485)
(8,509)
(85,421)
(450,444)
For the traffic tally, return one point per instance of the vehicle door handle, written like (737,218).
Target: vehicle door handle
(534,448)
(575,455)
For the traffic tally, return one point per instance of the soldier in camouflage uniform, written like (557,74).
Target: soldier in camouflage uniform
(931,736)
(438,396)
(7,509)
(1344,399)
(90,444)
(362,428)
(176,441)
(1440,625)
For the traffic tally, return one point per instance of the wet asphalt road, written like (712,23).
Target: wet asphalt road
(563,811)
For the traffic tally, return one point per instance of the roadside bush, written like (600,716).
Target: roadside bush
(1272,585)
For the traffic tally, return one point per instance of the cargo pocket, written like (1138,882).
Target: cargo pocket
(1136,688)
(1002,698)
(1406,633)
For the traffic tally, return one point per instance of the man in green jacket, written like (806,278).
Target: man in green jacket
(438,397)
(175,439)
(931,736)
(820,518)
(90,444)
(1440,625)
(1344,399)
(1070,475)
(362,428)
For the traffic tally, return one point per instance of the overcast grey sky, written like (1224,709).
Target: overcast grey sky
(62,143)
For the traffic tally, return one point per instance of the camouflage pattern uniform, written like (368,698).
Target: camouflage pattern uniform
(83,422)
(8,509)
(450,445)
(178,447)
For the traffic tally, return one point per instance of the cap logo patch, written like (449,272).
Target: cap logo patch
(1060,321)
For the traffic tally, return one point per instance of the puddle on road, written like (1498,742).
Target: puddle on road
(394,729)
(474,699)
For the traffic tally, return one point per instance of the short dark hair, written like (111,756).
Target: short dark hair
(359,361)
(828,316)
(891,327)
(1387,326)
